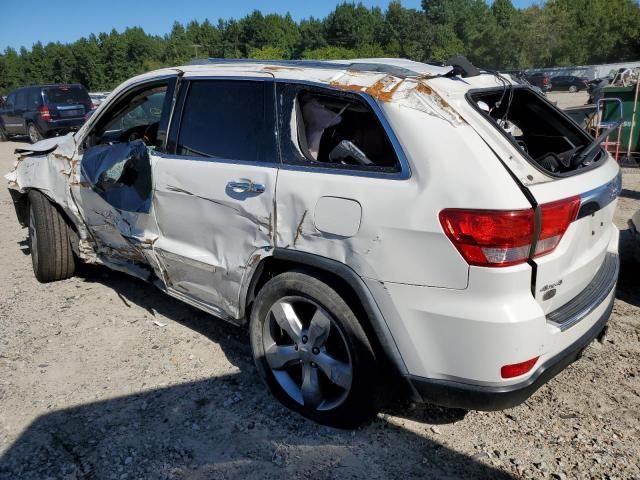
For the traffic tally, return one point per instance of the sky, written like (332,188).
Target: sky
(25,22)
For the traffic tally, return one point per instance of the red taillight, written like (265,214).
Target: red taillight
(498,238)
(556,218)
(44,113)
(545,80)
(517,369)
(490,238)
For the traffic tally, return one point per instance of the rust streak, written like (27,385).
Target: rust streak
(424,88)
(299,229)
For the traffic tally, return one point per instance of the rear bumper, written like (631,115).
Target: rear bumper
(66,125)
(479,397)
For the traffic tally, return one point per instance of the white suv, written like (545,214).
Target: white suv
(367,219)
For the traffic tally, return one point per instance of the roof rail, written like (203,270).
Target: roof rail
(375,65)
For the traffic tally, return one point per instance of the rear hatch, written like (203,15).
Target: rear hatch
(66,102)
(519,124)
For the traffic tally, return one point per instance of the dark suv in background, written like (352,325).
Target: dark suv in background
(44,111)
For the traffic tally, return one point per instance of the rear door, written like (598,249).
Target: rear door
(215,189)
(16,115)
(11,125)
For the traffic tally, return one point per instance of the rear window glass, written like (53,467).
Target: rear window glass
(66,95)
(229,119)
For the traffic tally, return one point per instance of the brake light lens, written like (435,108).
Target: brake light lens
(517,369)
(490,238)
(499,238)
(44,113)
(556,218)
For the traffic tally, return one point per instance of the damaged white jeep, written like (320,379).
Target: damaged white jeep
(368,220)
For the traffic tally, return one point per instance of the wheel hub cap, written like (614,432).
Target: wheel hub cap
(307,353)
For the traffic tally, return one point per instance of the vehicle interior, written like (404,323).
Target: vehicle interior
(342,130)
(548,138)
(116,158)
(137,116)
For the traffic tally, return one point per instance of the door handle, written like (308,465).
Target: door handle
(245,186)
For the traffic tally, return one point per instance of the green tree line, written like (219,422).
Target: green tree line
(498,36)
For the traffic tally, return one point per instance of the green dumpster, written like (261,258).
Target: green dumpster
(630,133)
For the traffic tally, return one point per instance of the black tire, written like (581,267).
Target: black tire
(34,133)
(49,241)
(362,400)
(3,134)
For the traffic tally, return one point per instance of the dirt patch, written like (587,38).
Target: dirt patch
(103,376)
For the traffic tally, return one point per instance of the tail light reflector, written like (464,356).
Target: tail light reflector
(556,218)
(500,238)
(517,369)
(44,113)
(490,238)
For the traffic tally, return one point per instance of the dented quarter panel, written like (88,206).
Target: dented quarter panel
(391,246)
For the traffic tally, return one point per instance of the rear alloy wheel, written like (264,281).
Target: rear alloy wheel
(573,89)
(34,134)
(49,241)
(312,352)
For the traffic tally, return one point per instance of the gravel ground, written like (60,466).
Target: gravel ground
(567,99)
(105,377)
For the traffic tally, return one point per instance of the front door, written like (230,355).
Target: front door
(214,192)
(114,194)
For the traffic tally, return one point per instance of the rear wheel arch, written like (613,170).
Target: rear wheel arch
(345,281)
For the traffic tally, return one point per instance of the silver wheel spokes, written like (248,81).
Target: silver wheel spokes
(308,351)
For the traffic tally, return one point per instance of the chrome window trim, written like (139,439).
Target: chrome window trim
(598,198)
(405,169)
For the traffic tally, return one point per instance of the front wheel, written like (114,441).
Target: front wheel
(49,241)
(312,352)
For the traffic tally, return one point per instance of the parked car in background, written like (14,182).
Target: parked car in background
(97,98)
(521,78)
(43,111)
(568,82)
(314,204)
(539,79)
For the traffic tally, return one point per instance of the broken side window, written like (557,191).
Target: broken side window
(120,174)
(545,136)
(137,116)
(332,129)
